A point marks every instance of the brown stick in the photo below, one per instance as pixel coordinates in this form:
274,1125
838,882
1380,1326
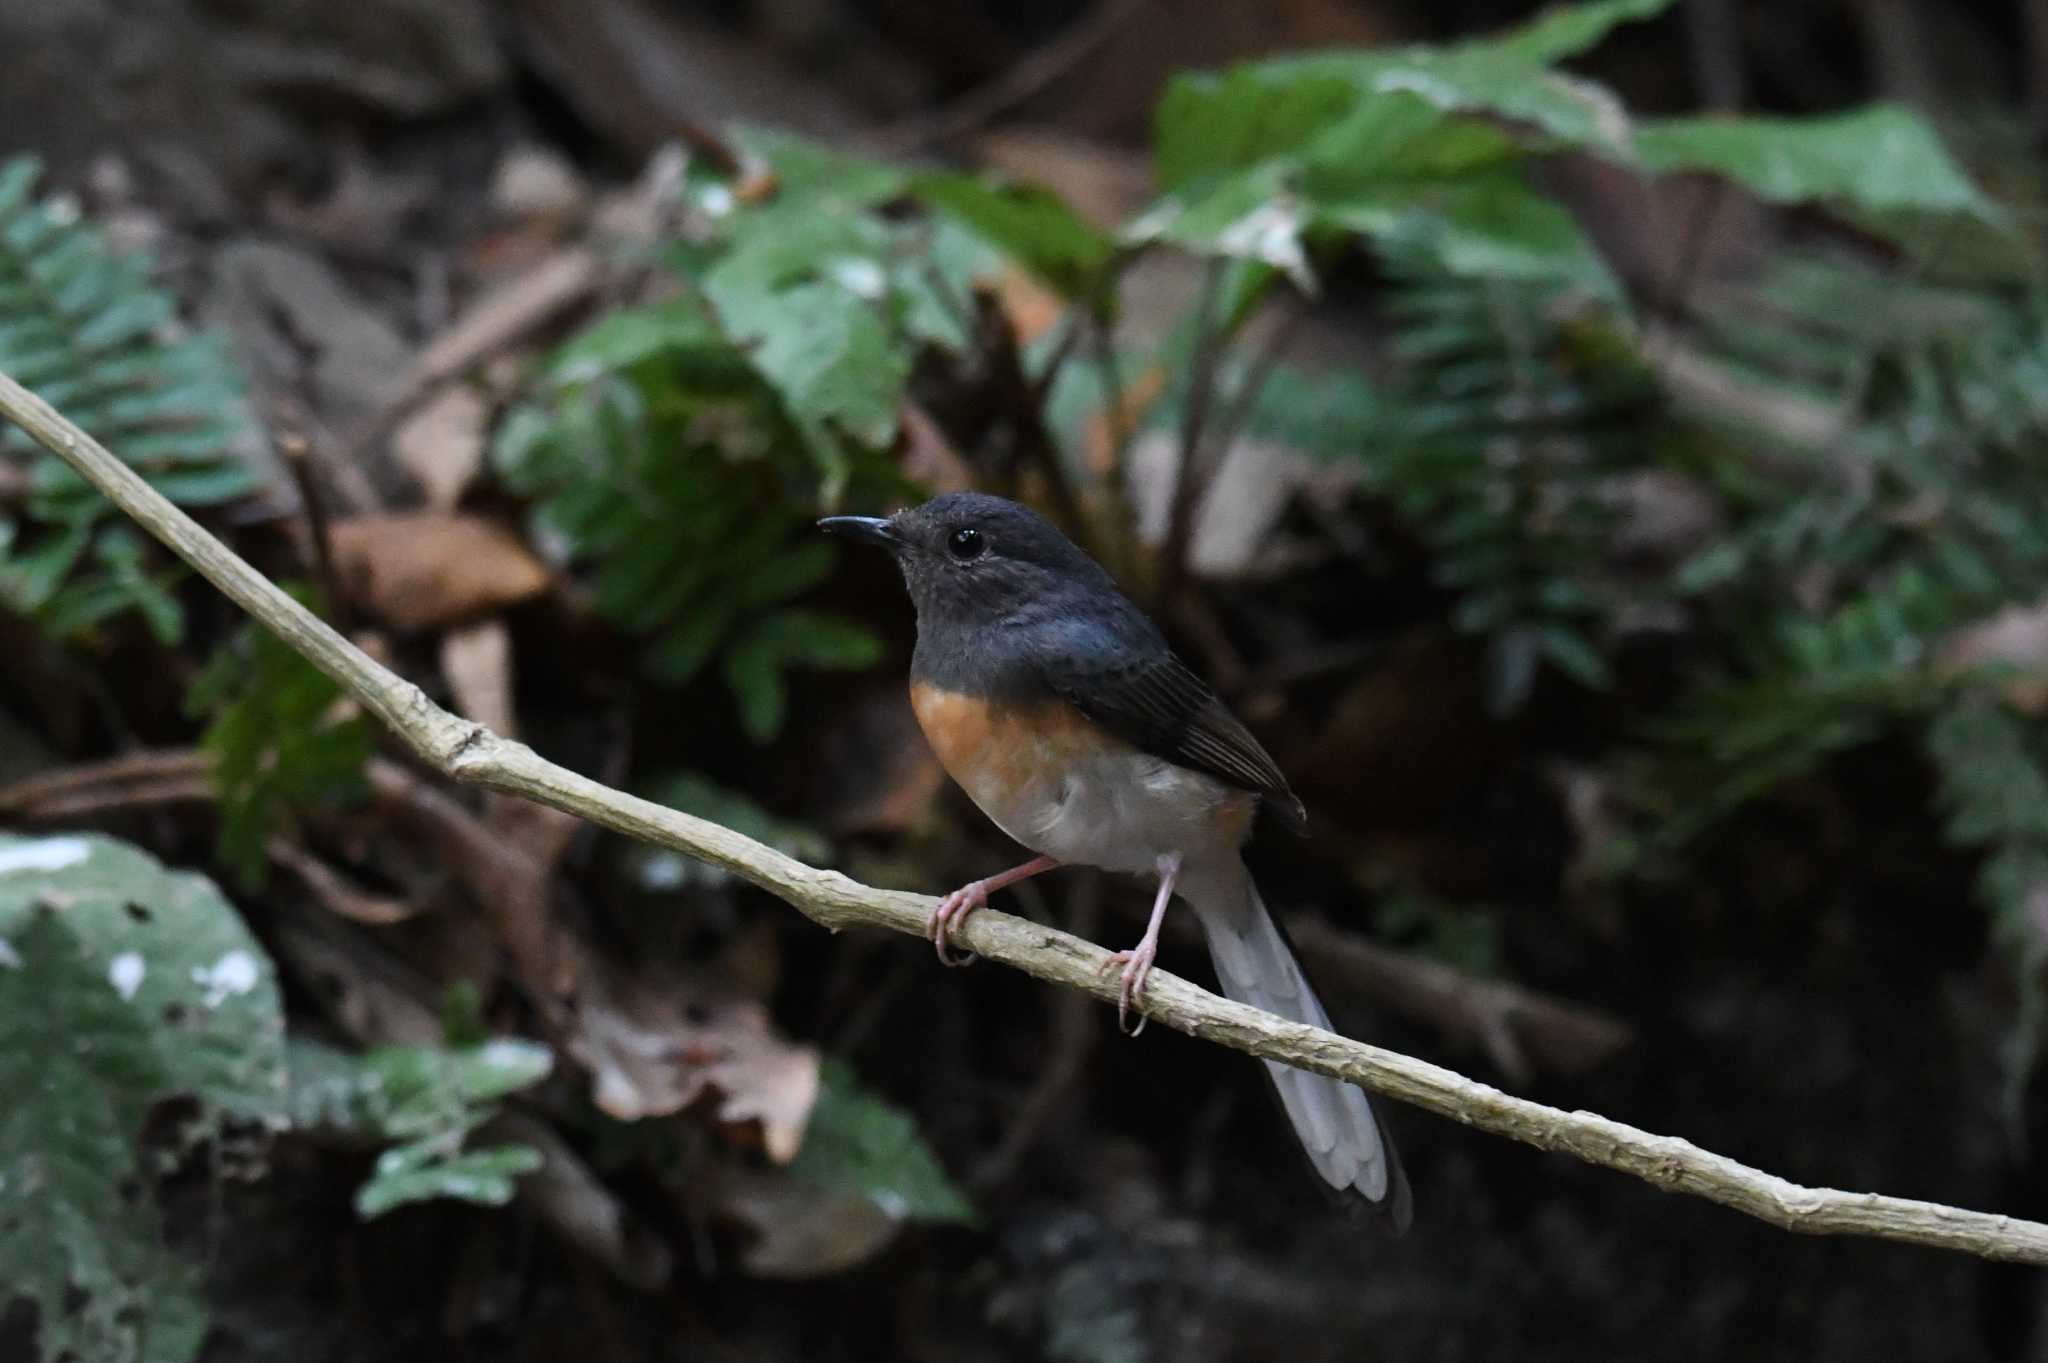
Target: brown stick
469,752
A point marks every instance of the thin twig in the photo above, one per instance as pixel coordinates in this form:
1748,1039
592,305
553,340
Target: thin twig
1038,69
295,449
468,752
1246,400
1209,337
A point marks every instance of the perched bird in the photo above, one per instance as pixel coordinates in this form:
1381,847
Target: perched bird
1059,707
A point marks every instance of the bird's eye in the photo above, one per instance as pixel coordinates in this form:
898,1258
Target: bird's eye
966,545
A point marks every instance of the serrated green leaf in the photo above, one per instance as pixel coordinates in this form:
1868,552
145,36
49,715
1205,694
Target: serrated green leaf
826,351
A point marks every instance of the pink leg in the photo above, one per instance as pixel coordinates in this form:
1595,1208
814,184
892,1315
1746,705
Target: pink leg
1137,962
965,900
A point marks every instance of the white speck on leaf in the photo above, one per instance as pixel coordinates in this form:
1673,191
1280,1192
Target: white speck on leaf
9,957
44,854
234,973
125,973
860,277
716,200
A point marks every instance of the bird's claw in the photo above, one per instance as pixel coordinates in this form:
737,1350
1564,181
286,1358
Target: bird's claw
947,916
1137,964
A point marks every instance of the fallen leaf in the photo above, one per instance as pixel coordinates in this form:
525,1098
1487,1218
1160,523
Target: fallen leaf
477,661
801,1231
441,444
428,570
653,1049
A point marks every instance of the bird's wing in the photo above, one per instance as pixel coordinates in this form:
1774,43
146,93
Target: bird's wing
1114,667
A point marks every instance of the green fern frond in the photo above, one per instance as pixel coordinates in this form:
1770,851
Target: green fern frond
82,325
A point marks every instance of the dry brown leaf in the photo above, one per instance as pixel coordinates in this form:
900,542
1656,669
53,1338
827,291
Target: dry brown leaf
802,1231
442,444
655,1049
477,661
428,570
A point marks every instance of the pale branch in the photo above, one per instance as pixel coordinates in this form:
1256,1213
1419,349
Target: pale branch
472,754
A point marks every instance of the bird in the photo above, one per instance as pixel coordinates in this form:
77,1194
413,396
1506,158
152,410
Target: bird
1058,706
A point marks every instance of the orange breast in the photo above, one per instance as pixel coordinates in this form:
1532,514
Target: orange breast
1004,750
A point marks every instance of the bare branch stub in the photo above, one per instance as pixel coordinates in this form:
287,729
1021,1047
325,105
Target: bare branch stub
470,753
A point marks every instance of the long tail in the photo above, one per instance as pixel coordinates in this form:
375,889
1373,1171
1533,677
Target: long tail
1335,1121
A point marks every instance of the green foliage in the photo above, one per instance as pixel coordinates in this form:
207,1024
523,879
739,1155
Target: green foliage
81,325
1994,786
426,1101
658,868
279,735
122,985
858,1142
1029,223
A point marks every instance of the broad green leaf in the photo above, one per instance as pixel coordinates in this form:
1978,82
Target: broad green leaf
625,338
859,1142
1882,158
1571,30
828,354
1488,226
1208,124
808,170
122,984
1030,223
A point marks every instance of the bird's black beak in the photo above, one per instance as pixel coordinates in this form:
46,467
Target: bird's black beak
873,529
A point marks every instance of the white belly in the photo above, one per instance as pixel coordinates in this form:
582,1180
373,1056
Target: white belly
1120,810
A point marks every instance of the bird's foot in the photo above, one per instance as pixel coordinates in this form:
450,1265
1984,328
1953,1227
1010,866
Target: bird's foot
948,915
1137,964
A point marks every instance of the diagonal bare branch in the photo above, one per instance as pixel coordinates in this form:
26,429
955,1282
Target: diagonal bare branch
470,753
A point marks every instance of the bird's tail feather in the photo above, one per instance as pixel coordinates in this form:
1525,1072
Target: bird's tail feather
1336,1121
